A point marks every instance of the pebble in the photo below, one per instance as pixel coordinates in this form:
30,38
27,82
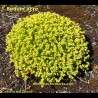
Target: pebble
87,73
90,72
65,88
3,73
87,91
88,81
97,24
10,77
57,92
92,91
92,76
69,92
0,69
94,12
63,92
80,88
94,43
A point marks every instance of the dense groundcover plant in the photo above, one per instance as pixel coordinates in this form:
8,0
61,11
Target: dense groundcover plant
48,46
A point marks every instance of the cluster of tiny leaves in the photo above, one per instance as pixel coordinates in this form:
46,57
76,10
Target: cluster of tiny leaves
48,46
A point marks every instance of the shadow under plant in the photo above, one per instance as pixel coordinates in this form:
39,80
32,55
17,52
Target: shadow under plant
86,16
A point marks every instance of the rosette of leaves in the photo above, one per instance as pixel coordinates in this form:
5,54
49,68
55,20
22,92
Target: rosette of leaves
48,46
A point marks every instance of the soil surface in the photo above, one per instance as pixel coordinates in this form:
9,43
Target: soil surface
85,15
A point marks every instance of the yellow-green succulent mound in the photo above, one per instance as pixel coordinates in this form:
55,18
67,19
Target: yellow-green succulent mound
48,46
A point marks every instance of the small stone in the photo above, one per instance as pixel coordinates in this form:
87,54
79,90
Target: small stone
97,91
0,69
87,73
10,77
90,72
97,23
10,89
64,91
68,91
65,88
87,91
74,80
3,73
88,82
94,43
92,91
80,88
57,92
92,76
94,12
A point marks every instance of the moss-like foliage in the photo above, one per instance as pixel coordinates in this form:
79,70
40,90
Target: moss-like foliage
48,46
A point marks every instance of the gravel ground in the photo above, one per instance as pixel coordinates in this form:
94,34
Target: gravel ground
85,15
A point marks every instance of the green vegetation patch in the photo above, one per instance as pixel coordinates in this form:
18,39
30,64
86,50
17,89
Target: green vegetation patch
48,46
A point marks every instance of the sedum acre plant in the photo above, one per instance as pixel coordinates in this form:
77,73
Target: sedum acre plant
48,46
